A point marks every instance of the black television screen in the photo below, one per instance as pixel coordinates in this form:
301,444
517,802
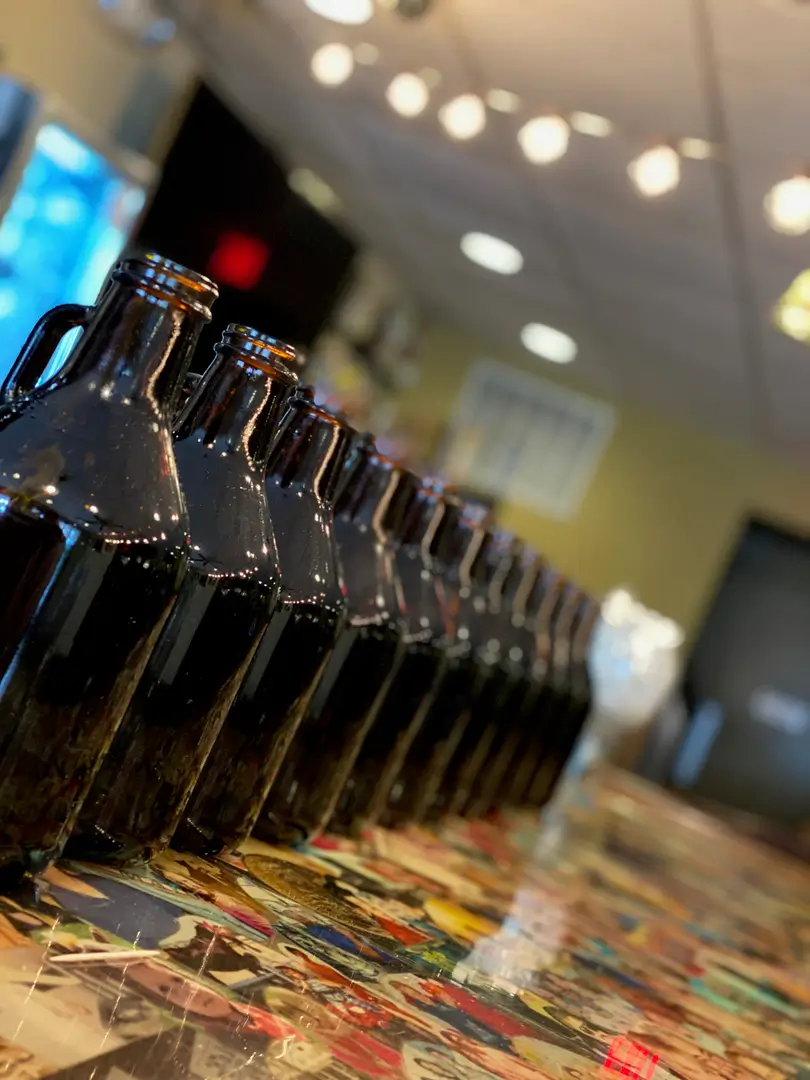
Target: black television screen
224,207
748,683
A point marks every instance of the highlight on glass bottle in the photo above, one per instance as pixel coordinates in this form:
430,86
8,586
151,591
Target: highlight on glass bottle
93,539
222,441
304,467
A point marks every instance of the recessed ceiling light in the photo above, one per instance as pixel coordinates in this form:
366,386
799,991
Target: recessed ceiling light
503,101
698,149
464,117
492,253
551,344
348,12
407,94
656,171
332,64
544,139
314,190
586,123
366,54
787,206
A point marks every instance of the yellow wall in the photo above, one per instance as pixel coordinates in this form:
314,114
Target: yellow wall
65,48
662,513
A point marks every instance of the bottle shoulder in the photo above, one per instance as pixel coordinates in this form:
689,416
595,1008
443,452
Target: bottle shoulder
105,465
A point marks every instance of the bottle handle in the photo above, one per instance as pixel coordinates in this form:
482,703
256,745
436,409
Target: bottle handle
39,348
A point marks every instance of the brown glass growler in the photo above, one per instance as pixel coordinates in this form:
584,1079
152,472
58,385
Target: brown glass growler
303,469
575,628
460,543
540,700
93,540
356,679
516,655
222,441
495,570
412,690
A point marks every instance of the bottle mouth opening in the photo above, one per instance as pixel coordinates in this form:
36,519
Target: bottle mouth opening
171,281
265,352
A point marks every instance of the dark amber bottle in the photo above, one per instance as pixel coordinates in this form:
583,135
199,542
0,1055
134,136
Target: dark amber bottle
495,572
414,686
516,657
534,711
359,673
574,631
222,441
461,541
93,542
303,470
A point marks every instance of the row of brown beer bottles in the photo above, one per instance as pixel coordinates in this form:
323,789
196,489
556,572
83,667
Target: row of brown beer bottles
293,631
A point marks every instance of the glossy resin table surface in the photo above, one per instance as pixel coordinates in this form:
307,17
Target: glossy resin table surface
662,945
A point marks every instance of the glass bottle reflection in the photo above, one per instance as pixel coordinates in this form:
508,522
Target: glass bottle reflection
360,671
416,792
222,441
413,688
93,543
304,467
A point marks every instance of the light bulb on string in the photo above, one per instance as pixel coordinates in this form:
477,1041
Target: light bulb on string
787,206
544,139
408,94
656,172
464,117
347,12
332,64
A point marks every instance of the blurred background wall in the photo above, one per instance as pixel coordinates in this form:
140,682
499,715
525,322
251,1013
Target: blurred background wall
133,97
665,508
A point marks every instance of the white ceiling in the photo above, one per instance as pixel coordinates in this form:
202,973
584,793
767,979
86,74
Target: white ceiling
668,299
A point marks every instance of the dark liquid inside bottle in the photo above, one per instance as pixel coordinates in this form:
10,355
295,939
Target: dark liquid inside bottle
383,751
156,757
257,732
31,544
474,745
415,789
100,611
321,755
500,762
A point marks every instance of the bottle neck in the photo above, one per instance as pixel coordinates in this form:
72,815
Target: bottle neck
310,452
422,519
444,545
236,406
527,593
141,337
584,625
373,498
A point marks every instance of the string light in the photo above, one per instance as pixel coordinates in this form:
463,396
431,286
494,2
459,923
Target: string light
656,171
464,117
347,12
332,64
598,127
544,139
787,206
408,95
503,101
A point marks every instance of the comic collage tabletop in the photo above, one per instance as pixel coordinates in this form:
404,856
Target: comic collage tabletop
661,945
